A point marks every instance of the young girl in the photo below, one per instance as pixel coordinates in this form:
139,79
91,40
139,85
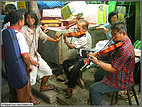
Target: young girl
32,33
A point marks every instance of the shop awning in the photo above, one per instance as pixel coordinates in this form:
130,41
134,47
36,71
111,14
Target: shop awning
49,4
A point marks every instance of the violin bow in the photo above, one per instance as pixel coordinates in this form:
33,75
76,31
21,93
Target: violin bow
72,37
107,43
97,52
103,47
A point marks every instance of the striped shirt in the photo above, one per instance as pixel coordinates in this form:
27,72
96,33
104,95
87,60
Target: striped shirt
123,60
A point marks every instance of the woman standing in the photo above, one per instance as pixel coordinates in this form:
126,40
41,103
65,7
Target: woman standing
32,33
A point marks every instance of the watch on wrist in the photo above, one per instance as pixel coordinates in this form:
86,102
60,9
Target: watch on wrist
98,63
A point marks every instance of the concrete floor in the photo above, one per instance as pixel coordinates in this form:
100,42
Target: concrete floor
5,95
80,96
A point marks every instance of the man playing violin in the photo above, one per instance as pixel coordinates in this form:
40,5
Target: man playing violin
119,70
72,66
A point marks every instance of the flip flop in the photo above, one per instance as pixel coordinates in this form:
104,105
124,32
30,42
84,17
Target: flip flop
68,93
47,88
35,101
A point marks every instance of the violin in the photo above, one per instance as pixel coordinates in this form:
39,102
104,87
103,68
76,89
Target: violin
101,52
73,34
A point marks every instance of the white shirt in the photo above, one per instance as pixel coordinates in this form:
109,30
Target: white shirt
83,42
4,27
22,42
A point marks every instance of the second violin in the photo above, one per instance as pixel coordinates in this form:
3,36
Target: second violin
73,34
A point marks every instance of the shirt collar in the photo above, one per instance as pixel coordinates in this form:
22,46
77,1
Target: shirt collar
14,28
29,29
125,39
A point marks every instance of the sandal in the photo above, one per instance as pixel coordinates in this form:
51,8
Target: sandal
69,93
34,101
47,88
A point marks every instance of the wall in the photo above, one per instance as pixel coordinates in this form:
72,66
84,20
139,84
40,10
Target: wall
137,21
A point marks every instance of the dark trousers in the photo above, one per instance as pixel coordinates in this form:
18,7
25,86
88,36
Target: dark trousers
72,70
96,90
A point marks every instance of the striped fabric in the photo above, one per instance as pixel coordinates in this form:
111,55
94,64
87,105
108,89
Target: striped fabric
124,61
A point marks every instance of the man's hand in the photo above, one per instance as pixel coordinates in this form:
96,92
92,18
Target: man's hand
30,68
57,38
35,63
64,37
105,29
93,59
105,66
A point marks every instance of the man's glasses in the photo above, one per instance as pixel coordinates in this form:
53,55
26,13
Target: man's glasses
78,28
114,34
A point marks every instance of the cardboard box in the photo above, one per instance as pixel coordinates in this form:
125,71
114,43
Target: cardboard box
73,8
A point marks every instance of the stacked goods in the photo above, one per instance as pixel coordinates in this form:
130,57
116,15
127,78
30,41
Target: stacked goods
51,17
51,21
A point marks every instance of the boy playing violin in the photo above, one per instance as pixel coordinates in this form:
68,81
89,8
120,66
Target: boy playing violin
72,66
119,70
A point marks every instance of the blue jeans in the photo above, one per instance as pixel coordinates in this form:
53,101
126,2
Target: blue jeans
96,90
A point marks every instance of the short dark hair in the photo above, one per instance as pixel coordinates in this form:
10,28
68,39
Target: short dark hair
10,7
85,25
119,25
110,15
33,15
14,16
